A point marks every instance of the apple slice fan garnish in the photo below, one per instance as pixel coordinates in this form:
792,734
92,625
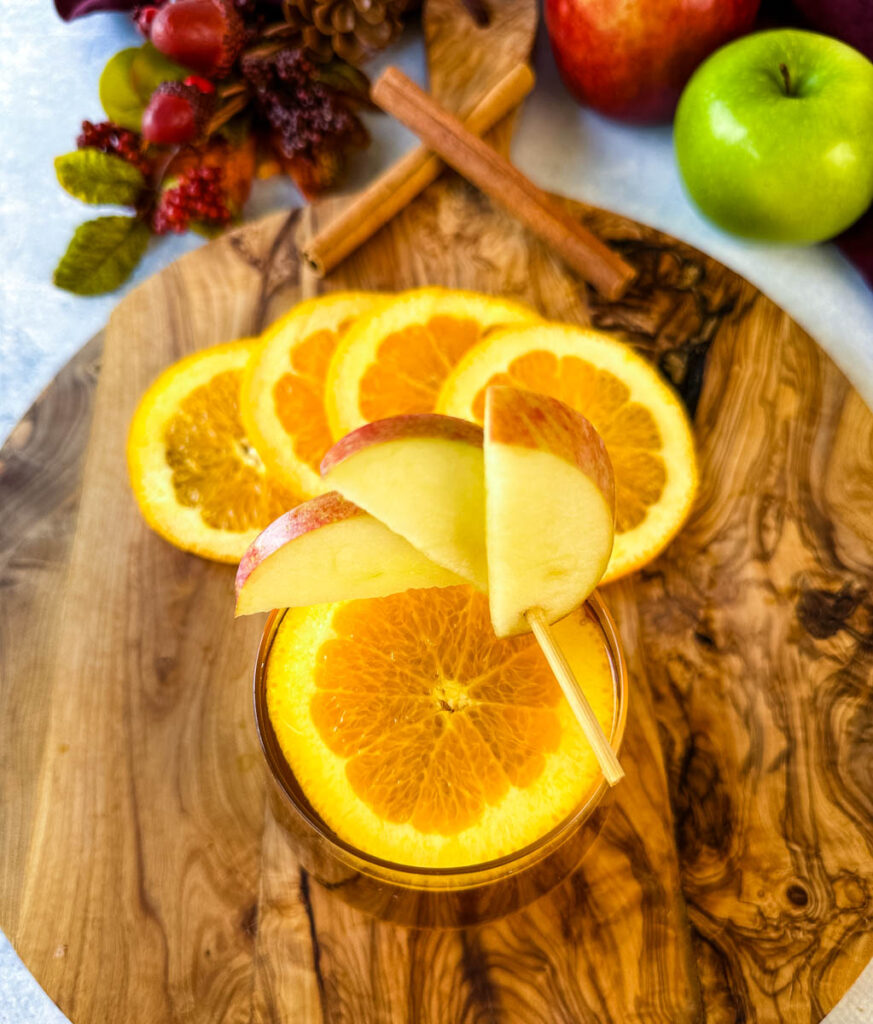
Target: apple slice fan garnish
524,511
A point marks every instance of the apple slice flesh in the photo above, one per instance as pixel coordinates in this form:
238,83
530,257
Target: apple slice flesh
550,507
326,550
422,475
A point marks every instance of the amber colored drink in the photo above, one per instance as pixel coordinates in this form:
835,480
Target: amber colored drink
418,862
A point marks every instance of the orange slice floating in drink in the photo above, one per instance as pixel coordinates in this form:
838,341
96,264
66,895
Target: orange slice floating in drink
395,359
195,474
638,415
283,392
421,737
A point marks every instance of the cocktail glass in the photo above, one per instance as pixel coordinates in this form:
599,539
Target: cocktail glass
436,897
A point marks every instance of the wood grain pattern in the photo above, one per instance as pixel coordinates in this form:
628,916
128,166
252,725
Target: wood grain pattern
143,875
147,771
154,860
40,477
773,823
465,58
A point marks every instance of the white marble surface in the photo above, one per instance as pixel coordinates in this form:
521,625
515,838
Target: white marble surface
49,71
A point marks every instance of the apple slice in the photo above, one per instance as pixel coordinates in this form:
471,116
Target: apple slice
550,507
421,475
328,549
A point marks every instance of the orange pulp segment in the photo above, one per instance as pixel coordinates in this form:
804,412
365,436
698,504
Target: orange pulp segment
422,738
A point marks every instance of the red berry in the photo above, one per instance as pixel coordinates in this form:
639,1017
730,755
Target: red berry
110,138
204,35
176,113
197,196
203,84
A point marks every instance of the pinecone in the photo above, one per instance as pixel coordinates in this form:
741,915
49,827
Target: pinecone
351,29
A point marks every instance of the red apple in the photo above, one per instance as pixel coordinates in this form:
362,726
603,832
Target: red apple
630,59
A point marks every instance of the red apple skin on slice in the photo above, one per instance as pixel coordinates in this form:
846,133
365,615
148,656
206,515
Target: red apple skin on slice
327,550
531,420
550,507
422,475
426,425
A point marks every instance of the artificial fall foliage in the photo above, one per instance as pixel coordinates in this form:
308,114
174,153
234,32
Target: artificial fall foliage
220,93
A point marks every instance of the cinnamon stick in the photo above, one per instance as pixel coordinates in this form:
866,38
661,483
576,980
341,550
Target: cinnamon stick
409,176
506,185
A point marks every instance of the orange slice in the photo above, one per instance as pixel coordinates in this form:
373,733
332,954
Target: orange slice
282,397
395,359
196,477
422,738
635,411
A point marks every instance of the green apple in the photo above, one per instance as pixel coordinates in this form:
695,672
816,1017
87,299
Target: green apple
774,136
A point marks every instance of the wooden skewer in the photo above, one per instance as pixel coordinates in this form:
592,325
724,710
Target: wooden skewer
505,184
401,183
609,763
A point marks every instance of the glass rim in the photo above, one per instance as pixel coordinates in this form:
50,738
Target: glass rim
280,770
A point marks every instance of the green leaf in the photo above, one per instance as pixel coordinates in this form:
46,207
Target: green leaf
149,68
119,98
96,177
102,255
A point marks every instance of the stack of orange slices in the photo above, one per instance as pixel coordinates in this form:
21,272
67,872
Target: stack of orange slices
230,437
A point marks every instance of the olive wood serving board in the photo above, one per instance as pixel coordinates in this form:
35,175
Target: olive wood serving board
142,875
